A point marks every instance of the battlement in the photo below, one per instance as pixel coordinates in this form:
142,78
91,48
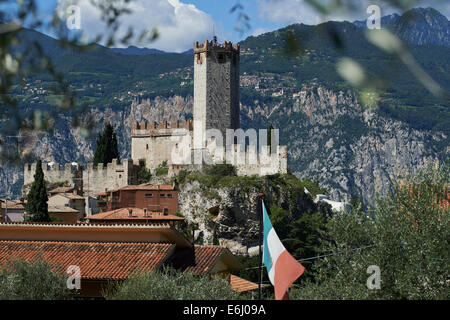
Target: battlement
69,173
54,167
148,129
89,179
220,51
206,46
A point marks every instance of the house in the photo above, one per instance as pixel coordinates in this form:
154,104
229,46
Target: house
133,215
335,205
112,252
155,198
12,210
63,214
69,200
57,190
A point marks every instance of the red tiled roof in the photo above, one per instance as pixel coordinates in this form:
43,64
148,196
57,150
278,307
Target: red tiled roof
146,186
137,214
202,260
97,260
241,285
62,190
11,204
71,196
61,209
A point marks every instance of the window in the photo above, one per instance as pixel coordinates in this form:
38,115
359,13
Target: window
146,146
169,195
162,195
165,211
149,195
221,58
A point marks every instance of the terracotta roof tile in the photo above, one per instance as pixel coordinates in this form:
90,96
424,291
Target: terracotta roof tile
71,196
137,214
61,209
146,186
241,285
14,204
97,260
199,261
62,190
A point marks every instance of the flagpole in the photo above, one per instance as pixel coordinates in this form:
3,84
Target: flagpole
260,215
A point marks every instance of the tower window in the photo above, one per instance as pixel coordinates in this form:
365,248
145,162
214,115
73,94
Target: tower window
146,146
221,58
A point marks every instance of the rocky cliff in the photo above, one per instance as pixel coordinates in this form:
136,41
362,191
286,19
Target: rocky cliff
349,149
331,138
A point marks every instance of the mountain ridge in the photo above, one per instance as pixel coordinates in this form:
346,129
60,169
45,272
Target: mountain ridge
324,122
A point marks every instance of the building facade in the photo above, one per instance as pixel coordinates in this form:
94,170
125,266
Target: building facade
154,198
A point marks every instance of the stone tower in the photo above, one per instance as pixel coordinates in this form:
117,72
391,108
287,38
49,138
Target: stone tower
216,88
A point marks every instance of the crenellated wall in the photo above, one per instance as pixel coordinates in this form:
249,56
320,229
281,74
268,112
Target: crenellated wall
113,175
68,173
88,179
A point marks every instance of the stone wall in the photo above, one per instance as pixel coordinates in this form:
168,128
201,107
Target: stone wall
114,175
157,143
53,173
89,179
216,88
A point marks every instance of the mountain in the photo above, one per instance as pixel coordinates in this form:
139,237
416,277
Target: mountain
132,50
419,26
333,136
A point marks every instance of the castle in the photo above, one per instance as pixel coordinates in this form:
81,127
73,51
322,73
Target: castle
213,136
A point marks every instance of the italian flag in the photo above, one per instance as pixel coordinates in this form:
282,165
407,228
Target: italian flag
282,268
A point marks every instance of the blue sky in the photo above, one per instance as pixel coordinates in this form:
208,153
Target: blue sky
182,22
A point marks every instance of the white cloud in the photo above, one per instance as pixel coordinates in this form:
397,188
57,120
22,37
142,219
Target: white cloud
179,24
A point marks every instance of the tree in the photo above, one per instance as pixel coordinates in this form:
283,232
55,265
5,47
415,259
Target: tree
407,238
169,284
37,206
31,280
144,175
107,148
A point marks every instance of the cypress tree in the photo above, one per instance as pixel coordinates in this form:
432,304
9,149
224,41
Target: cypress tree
37,197
107,147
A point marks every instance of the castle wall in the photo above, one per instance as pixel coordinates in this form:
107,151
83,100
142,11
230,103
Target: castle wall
115,175
250,162
164,142
68,173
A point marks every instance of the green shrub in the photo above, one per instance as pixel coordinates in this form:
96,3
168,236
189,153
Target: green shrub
162,169
34,280
407,238
169,284
221,170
